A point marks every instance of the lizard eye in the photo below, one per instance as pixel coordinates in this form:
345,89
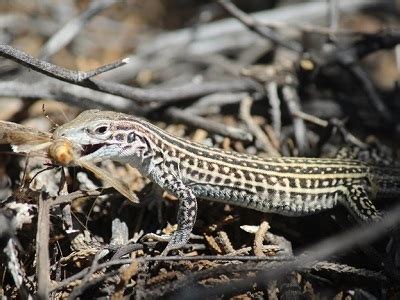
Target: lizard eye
101,129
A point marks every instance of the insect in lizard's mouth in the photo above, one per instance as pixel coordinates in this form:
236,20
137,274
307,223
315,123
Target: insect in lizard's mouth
91,148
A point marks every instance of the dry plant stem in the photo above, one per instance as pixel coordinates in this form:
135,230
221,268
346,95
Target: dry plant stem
259,238
216,61
293,104
243,269
42,248
347,136
213,244
349,58
125,275
333,15
51,70
15,268
79,290
370,91
75,195
225,35
318,252
311,119
258,27
313,28
66,208
208,125
341,268
275,102
67,93
80,78
87,280
224,241
119,262
87,277
245,115
7,231
68,32
211,104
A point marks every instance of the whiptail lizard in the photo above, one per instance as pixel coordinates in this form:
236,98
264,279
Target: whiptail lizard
289,186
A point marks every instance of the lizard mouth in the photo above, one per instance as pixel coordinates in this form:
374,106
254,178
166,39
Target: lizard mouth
91,148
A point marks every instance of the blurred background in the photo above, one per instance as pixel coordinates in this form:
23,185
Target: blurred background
268,78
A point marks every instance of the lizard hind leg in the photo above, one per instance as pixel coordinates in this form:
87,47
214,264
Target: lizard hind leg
360,205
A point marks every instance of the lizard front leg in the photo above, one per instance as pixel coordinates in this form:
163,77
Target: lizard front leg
186,216
187,212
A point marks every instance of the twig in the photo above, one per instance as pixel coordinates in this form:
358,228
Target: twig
274,101
348,137
258,27
42,248
119,262
224,241
8,246
166,95
211,104
209,125
314,28
51,70
370,91
259,238
348,58
67,93
90,282
293,104
222,35
216,61
105,68
15,268
320,251
188,91
75,195
333,16
125,275
254,128
310,118
66,34
346,269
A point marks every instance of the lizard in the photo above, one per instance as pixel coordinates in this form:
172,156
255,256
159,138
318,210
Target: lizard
293,186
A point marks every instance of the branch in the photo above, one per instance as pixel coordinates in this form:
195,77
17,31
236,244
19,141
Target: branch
42,247
41,66
66,33
223,35
258,27
67,93
320,251
188,91
209,125
261,137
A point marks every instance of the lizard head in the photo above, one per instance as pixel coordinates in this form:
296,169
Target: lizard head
104,135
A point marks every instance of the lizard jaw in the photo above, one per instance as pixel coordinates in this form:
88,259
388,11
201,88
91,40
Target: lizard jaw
91,148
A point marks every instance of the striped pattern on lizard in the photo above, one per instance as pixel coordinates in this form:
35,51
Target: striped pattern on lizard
289,185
